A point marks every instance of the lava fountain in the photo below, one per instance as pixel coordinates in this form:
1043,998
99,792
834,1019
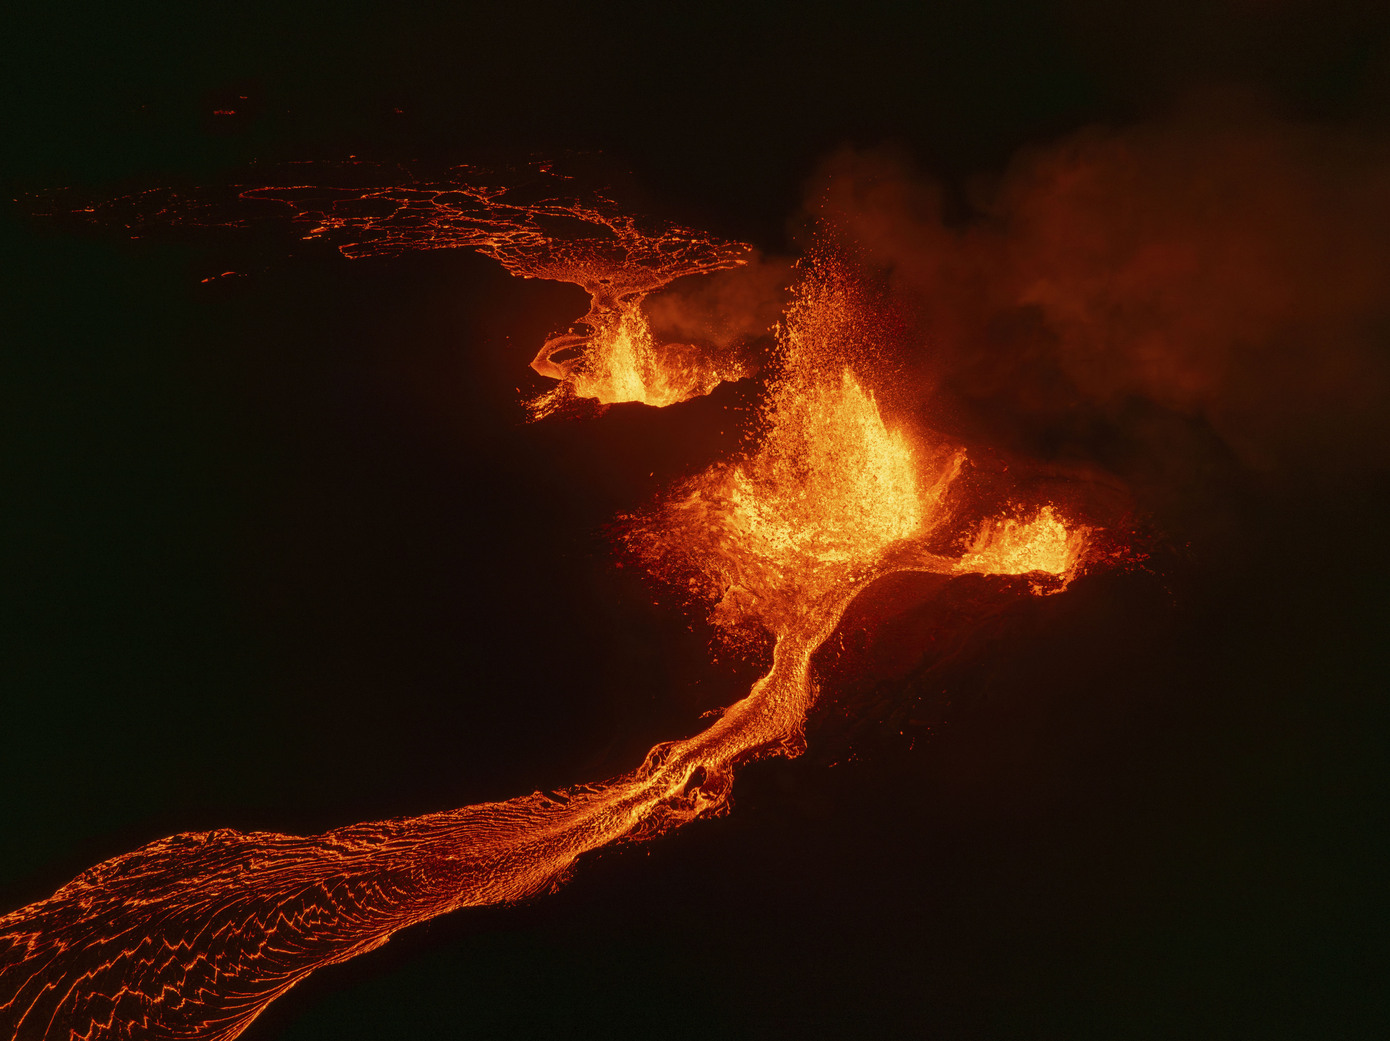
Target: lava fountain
194,935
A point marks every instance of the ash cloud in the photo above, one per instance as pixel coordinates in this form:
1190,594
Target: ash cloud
1217,281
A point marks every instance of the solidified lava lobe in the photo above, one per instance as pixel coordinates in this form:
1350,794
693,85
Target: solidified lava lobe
195,934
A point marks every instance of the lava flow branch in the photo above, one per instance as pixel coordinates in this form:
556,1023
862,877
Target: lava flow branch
194,935
533,220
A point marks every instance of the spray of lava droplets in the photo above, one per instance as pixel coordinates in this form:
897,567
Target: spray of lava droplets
194,935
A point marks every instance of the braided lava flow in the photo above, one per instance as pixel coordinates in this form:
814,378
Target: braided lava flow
194,935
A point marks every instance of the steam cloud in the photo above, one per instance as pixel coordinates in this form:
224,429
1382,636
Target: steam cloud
726,308
1222,266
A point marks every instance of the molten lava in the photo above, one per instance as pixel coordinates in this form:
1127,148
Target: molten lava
617,359
828,488
1043,544
532,220
195,934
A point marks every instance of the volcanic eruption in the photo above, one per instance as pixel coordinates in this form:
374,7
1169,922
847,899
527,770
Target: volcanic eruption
195,934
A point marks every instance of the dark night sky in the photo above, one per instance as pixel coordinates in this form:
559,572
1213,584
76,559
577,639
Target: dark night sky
277,552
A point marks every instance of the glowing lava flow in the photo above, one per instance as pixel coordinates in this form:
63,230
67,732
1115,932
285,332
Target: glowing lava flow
532,220
194,935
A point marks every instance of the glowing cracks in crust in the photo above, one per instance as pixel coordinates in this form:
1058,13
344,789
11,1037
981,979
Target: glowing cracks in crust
601,249
533,220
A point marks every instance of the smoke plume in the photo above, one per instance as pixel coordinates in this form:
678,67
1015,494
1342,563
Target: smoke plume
1221,270
724,308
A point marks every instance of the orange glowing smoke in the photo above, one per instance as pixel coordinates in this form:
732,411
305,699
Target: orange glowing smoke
195,934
